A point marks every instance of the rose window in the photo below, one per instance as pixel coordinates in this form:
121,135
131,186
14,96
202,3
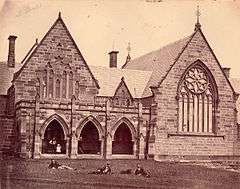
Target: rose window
196,80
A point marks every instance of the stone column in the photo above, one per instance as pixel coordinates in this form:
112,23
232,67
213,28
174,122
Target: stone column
140,138
37,140
108,137
72,138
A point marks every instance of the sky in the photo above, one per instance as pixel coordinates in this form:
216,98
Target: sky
100,26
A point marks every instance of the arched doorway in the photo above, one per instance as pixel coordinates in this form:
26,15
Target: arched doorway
89,142
122,143
53,142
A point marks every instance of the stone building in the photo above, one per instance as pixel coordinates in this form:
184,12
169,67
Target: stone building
173,103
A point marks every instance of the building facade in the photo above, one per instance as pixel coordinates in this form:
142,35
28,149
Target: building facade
173,103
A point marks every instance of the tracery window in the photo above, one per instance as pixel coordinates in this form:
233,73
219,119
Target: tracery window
51,84
64,84
70,85
197,97
57,88
44,84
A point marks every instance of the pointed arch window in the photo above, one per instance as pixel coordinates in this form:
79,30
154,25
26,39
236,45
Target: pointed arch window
70,85
51,84
57,88
64,85
197,100
44,84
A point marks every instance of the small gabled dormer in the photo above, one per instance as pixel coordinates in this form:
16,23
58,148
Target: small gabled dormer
122,96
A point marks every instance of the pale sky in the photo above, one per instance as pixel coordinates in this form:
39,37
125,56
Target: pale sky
146,24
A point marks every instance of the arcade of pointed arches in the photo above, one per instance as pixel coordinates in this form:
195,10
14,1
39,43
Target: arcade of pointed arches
89,133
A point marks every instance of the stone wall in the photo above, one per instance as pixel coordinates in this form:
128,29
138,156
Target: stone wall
73,118
58,52
169,142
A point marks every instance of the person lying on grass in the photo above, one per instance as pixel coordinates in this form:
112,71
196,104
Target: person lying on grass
55,165
104,170
141,172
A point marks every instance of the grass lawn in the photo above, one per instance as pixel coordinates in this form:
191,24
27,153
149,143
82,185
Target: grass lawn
21,174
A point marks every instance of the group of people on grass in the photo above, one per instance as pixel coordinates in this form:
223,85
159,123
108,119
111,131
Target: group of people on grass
104,170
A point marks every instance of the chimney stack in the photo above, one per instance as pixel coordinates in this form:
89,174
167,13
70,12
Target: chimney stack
11,51
113,59
227,71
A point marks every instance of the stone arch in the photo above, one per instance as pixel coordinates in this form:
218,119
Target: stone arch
60,120
89,135
197,97
123,137
128,123
94,121
208,73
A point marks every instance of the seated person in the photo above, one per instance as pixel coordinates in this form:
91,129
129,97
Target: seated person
55,165
106,169
140,171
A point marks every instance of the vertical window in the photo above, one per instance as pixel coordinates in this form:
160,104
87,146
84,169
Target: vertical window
57,88
77,89
70,85
51,84
64,85
44,84
196,101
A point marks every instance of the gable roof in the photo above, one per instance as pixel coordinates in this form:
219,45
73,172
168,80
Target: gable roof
159,61
59,19
162,60
6,76
109,79
123,83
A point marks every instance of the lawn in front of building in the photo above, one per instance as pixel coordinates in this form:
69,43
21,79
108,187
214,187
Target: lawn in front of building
23,174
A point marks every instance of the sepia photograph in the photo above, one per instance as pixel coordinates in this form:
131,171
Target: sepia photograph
119,94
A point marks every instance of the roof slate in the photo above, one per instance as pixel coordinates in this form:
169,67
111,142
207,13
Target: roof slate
109,79
159,61
6,76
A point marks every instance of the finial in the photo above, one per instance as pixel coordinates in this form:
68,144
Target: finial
128,59
198,14
59,14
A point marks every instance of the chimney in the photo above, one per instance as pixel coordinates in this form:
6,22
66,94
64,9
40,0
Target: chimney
11,51
227,71
113,59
